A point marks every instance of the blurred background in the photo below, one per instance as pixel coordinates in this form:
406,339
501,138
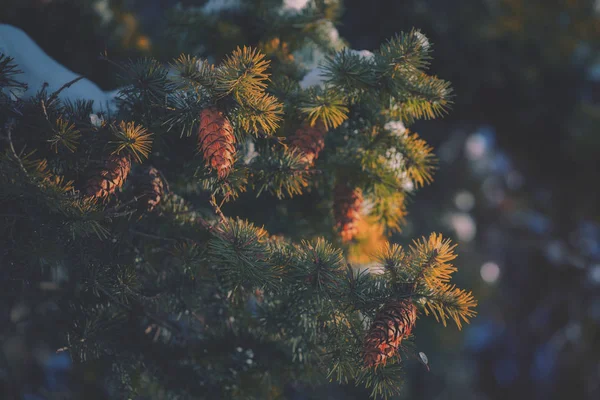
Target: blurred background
518,179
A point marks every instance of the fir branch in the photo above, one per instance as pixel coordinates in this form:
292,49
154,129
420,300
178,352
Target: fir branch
384,381
145,83
286,89
84,217
327,106
66,135
183,111
407,51
162,322
240,252
430,258
78,111
242,74
230,187
194,72
8,70
419,159
132,139
322,263
420,96
349,73
279,171
260,114
450,303
303,299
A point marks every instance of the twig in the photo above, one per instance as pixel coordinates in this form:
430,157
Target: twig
121,214
213,202
54,96
205,224
119,206
9,127
151,236
153,317
67,85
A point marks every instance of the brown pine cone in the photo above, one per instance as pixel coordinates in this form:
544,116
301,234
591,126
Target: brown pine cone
150,188
216,141
106,179
310,140
392,324
346,210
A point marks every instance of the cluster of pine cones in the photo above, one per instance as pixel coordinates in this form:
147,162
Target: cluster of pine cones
216,141
348,201
396,319
111,174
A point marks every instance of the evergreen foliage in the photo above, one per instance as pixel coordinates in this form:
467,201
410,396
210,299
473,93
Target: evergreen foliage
177,288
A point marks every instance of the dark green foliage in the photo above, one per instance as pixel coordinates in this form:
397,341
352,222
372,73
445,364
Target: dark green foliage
8,71
164,299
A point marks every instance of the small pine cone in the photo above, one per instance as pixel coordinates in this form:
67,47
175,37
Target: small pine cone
310,140
216,141
346,209
112,175
150,188
393,323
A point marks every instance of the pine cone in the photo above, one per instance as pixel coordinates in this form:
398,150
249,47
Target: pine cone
150,188
347,205
309,140
393,323
105,180
216,141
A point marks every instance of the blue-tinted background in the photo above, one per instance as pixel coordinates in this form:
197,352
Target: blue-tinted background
517,186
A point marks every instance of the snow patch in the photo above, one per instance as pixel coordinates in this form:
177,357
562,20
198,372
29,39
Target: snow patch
294,5
313,78
39,68
366,54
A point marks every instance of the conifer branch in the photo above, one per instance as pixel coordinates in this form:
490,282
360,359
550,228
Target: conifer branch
185,262
199,73
8,127
132,139
8,70
243,74
67,85
326,106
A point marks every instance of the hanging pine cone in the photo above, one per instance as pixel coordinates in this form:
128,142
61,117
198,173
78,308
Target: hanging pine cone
393,323
149,188
346,209
110,176
216,141
310,140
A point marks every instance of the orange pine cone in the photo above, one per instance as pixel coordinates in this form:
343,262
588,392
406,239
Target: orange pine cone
216,141
346,209
310,140
150,188
109,177
392,324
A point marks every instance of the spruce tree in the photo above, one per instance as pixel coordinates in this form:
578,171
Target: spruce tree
195,243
